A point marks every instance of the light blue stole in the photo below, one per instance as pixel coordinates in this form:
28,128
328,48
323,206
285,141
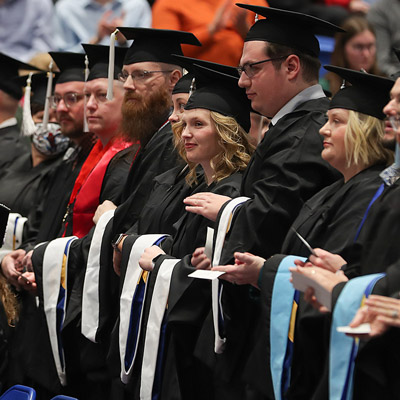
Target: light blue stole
282,318
343,349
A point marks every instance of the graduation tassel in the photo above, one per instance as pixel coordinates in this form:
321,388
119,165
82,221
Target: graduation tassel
111,61
85,123
28,126
192,86
48,95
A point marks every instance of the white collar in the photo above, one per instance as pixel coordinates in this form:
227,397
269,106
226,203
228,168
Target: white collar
311,93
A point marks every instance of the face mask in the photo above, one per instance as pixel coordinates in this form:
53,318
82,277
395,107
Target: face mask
50,141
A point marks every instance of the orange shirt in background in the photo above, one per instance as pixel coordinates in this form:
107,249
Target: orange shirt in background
196,16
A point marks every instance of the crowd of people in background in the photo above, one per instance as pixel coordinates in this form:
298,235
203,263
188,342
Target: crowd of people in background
195,211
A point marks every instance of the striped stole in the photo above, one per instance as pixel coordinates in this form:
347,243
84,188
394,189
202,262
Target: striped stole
90,295
55,264
153,345
131,304
224,225
14,231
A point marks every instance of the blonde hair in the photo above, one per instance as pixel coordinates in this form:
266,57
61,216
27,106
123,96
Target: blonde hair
235,151
364,140
9,301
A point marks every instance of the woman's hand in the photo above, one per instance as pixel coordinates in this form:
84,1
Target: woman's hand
146,260
27,282
245,271
12,266
326,260
200,260
327,279
206,204
380,312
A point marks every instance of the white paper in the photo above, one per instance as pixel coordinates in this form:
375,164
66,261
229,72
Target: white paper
209,242
362,329
302,282
206,274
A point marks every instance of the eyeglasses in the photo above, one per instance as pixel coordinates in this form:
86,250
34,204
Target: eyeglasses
70,99
395,122
137,75
249,69
100,97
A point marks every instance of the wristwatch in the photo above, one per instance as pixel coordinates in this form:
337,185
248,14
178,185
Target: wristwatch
117,240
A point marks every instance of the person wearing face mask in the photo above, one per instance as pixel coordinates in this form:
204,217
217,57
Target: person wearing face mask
26,180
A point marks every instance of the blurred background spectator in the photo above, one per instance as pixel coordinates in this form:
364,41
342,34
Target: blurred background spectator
335,11
92,21
354,49
218,24
26,28
385,16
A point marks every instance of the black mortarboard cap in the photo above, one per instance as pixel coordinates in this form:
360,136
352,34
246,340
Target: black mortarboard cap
155,45
9,68
220,92
368,93
71,66
184,84
38,85
289,28
98,56
188,62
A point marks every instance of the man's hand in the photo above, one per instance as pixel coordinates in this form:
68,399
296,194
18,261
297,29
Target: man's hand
206,204
12,267
107,205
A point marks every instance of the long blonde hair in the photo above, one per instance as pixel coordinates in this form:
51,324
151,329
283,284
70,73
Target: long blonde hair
235,151
9,301
364,140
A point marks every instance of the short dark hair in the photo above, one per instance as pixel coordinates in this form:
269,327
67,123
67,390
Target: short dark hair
310,64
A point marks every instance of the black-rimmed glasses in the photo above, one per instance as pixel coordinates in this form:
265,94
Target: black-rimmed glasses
249,69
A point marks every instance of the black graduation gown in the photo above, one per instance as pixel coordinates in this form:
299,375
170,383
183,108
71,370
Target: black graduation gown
156,157
285,171
188,302
375,374
116,172
23,186
375,250
11,145
330,220
85,361
45,222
